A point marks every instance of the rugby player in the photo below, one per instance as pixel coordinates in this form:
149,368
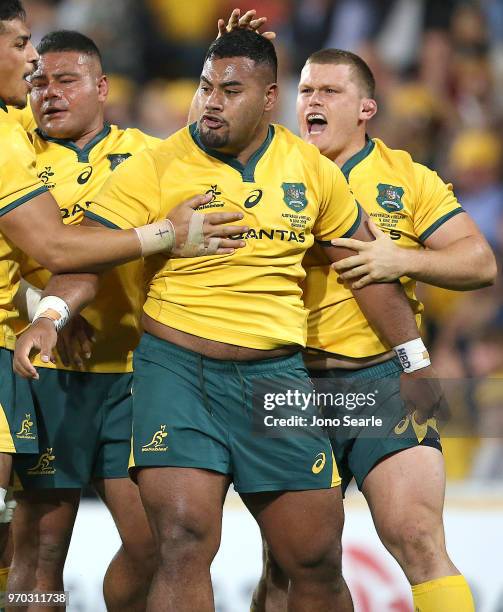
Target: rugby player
422,233
214,327
30,221
84,417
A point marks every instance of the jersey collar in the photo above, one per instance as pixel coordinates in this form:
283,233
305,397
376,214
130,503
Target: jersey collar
358,157
3,106
247,170
82,153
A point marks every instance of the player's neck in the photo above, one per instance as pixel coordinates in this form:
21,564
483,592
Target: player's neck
89,134
244,154
352,148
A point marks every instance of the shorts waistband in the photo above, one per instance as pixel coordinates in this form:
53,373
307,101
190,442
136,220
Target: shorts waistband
386,368
148,342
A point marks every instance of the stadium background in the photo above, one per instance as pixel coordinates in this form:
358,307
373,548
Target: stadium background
439,69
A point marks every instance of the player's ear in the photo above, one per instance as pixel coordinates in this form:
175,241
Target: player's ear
368,108
103,88
271,96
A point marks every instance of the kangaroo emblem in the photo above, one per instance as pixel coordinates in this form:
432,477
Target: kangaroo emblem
157,439
26,426
44,463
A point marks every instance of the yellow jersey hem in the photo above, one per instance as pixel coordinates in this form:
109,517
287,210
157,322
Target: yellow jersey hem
218,334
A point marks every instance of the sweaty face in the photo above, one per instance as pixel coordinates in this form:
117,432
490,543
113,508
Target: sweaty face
17,61
68,93
329,104
230,102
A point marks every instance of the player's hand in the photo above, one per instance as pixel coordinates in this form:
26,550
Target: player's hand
199,234
248,21
379,261
423,395
40,337
75,342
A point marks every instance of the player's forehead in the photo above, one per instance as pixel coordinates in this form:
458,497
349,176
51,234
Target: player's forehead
218,71
325,75
54,63
14,28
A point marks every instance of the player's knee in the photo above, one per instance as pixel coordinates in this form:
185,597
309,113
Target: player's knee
52,551
186,540
416,542
318,563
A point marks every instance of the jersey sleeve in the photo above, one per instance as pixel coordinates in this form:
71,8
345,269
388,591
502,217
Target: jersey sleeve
435,205
19,182
339,214
130,196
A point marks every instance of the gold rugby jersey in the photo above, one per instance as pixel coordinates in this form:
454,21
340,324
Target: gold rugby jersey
19,183
289,194
24,117
403,198
74,176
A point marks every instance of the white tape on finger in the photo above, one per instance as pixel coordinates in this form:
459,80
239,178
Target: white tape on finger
195,245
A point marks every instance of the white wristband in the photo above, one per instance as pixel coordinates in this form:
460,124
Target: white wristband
156,237
55,309
413,355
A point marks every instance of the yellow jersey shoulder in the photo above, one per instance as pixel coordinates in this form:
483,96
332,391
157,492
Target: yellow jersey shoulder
404,198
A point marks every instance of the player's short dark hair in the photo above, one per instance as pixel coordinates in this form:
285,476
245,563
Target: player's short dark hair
68,40
245,43
339,56
11,9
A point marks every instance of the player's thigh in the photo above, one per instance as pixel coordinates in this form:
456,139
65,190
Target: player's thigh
184,507
301,528
406,491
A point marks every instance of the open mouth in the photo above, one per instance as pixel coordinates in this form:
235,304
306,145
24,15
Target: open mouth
27,80
316,123
211,121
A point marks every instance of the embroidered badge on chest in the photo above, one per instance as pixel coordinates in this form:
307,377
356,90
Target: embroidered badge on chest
389,197
294,196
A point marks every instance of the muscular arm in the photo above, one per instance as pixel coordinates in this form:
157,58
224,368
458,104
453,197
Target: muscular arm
457,257
385,306
37,229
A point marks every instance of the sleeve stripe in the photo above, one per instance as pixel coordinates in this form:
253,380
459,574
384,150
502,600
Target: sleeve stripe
101,220
349,233
23,200
427,233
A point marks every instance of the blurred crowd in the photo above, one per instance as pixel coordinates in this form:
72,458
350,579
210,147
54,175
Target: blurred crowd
439,70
